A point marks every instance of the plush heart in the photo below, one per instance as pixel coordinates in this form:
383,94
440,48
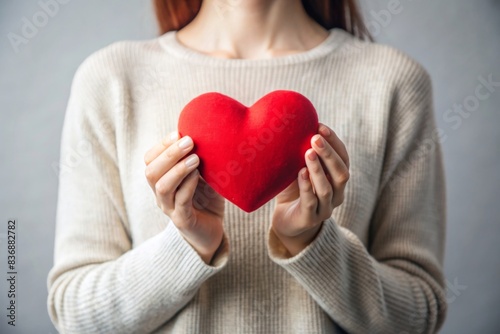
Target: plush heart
249,155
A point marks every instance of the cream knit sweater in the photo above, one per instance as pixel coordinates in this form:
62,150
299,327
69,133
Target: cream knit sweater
121,266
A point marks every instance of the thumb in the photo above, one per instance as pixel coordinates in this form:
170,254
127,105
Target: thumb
291,192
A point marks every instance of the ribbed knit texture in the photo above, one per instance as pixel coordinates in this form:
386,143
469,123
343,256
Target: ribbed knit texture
121,266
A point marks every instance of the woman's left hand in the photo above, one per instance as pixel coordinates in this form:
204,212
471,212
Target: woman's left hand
303,206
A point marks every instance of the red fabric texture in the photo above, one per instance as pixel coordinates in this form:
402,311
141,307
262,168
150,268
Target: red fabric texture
250,154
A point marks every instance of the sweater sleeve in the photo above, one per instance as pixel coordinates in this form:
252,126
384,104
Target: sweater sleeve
396,283
99,283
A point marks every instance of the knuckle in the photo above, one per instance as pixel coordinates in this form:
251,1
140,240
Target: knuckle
166,142
184,209
170,152
164,208
161,189
327,153
149,173
325,193
182,203
178,172
146,158
315,168
310,205
344,176
338,200
307,187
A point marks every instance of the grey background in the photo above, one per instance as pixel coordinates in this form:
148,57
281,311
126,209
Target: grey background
456,40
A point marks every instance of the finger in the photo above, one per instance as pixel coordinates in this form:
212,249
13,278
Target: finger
333,163
156,150
167,185
167,159
308,200
206,198
184,197
204,194
322,187
290,193
206,189
335,142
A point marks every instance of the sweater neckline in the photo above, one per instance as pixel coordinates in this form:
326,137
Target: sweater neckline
173,46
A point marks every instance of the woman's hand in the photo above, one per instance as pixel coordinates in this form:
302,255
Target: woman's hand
303,206
182,194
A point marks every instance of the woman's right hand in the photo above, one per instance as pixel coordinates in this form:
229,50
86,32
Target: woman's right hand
193,206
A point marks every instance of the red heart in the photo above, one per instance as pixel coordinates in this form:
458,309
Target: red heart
249,155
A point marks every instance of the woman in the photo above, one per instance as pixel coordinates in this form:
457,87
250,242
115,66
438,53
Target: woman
354,245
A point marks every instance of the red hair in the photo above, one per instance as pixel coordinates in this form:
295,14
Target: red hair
344,14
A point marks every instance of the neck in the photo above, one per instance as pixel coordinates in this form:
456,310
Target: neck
251,29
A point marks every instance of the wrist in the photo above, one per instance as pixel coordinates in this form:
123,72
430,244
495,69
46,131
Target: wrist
207,251
295,244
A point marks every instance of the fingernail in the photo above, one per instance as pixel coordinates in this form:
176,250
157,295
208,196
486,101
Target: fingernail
185,142
324,131
319,142
304,174
191,160
312,155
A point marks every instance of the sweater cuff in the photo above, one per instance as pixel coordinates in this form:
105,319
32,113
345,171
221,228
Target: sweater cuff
184,249
168,260
324,245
